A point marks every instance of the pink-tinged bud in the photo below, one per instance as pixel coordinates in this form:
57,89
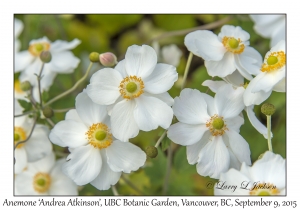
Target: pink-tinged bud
108,59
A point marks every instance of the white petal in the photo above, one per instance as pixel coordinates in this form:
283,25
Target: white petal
256,123
185,134
213,85
234,162
165,97
120,67
266,24
140,60
60,45
234,31
83,164
235,123
244,63
88,111
73,115
214,158
22,60
171,54
239,146
43,165
280,86
236,79
269,80
29,73
20,160
72,133
190,107
161,79
205,44
150,112
63,62
38,146
104,86
229,101
106,177
123,123
18,26
24,184
193,151
221,68
125,156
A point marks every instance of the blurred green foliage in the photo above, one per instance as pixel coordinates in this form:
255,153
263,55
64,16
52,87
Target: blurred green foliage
115,33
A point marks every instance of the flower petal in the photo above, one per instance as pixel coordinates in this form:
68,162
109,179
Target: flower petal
190,107
83,164
213,85
234,31
20,160
24,184
165,97
125,156
104,86
140,60
73,115
150,112
193,151
22,60
236,79
280,86
205,44
185,134
235,123
221,68
214,158
43,165
123,123
60,45
106,177
120,67
269,80
161,79
63,62
88,111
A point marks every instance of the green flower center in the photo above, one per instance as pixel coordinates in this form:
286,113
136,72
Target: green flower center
131,87
218,123
41,182
100,135
272,60
233,43
17,137
264,193
39,47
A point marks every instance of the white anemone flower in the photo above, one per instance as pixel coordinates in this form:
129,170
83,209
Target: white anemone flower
18,29
96,156
225,53
209,127
270,26
136,91
267,176
38,145
271,76
169,54
63,61
44,177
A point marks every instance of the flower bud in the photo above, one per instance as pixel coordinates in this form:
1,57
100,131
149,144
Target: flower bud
108,59
25,86
268,109
151,151
48,112
45,56
94,57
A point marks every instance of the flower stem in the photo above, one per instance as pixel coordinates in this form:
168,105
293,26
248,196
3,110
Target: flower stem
269,133
114,190
161,138
168,170
186,71
39,83
71,89
21,142
25,113
132,185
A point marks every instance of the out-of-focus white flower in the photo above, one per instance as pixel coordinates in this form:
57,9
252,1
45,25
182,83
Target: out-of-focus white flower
225,53
96,156
136,90
37,147
265,177
29,62
270,26
19,93
18,29
169,54
44,177
271,76
209,127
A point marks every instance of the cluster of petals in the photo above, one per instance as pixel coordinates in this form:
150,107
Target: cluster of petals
209,127
225,53
135,92
266,176
96,157
44,177
272,76
169,54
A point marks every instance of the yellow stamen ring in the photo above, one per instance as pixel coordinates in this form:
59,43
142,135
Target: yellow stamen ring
216,125
264,189
233,45
99,136
36,48
41,182
131,87
275,61
19,135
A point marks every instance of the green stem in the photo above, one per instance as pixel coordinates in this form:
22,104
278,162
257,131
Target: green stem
161,138
62,110
168,170
25,113
114,190
39,84
269,133
186,71
71,89
131,185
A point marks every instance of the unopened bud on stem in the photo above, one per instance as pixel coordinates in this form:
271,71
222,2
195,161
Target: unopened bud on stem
94,57
268,109
151,151
25,86
45,56
48,112
108,59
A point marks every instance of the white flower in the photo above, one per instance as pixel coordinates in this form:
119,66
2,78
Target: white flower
271,76
29,62
18,29
270,26
38,145
96,156
136,91
225,53
169,54
44,177
265,177
19,93
210,130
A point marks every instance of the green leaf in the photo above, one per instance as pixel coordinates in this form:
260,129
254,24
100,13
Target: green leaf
25,104
166,142
45,96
